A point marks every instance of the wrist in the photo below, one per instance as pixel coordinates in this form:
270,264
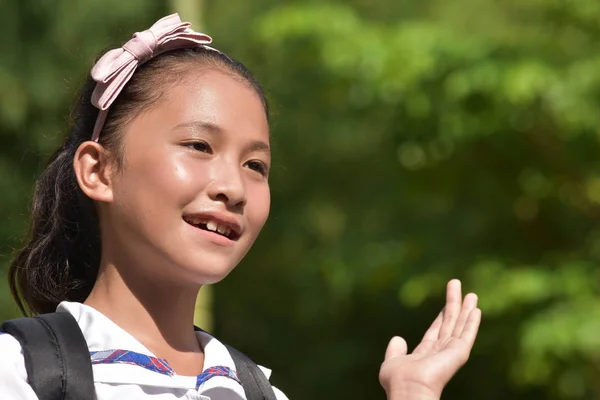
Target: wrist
412,392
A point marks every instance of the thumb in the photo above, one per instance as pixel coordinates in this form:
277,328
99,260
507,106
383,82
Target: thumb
396,348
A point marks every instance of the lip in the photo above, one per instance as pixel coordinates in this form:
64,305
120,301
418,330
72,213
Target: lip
214,237
229,221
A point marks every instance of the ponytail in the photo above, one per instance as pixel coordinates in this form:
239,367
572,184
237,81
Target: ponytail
60,258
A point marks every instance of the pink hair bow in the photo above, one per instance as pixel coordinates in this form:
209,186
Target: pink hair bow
115,68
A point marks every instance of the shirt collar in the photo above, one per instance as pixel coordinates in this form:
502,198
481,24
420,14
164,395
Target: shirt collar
101,334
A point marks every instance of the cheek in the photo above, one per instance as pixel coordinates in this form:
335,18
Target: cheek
175,176
259,197
158,182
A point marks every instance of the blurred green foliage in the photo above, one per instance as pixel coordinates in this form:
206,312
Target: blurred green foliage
414,142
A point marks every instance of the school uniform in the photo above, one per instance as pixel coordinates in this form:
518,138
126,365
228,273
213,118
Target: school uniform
124,369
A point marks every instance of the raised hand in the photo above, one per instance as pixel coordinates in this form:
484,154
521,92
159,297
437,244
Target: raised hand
423,374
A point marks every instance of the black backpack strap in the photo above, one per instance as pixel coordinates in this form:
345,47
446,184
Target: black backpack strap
57,358
255,383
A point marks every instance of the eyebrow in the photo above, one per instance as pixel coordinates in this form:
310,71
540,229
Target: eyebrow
255,145
200,125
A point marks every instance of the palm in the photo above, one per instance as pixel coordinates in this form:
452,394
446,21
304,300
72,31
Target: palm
443,350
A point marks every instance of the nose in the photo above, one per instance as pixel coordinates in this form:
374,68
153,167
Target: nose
227,185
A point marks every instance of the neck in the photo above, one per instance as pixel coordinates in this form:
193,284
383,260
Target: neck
158,313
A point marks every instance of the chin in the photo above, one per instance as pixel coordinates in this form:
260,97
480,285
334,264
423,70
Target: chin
208,269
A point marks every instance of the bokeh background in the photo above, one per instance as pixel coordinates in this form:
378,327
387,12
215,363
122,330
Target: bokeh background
414,142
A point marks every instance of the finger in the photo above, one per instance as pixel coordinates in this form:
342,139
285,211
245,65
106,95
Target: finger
396,348
469,333
430,336
434,330
469,304
452,308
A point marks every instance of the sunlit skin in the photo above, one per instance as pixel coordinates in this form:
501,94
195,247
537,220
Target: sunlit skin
202,153
423,374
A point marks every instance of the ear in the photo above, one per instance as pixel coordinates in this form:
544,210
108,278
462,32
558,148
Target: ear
94,171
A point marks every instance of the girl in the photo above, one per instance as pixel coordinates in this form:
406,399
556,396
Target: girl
161,187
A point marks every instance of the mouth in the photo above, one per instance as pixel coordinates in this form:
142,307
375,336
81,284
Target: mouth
210,224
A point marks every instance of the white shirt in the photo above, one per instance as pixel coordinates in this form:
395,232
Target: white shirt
125,381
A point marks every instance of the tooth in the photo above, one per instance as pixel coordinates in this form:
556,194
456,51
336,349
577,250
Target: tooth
196,221
211,226
227,231
221,229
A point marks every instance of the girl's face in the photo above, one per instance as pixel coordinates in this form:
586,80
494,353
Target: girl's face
193,193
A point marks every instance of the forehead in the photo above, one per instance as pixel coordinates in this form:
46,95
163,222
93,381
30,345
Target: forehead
210,96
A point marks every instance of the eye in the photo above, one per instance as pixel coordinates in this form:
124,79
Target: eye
258,166
199,146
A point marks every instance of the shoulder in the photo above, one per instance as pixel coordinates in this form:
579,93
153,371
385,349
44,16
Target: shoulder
13,376
278,393
12,355
217,353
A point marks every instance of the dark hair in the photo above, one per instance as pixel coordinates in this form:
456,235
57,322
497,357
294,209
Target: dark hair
61,254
